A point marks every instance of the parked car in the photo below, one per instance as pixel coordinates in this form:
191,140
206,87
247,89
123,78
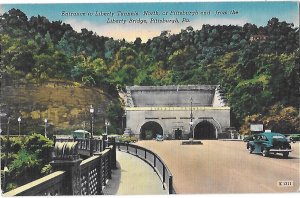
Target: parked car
248,138
127,139
269,142
159,137
294,137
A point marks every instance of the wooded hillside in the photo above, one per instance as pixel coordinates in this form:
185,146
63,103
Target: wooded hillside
256,75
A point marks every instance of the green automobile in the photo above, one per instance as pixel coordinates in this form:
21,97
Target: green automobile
269,142
294,137
127,139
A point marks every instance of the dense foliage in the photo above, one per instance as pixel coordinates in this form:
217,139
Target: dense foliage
254,75
27,157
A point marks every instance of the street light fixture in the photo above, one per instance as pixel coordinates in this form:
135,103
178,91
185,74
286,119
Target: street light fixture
5,170
124,121
92,110
6,155
19,120
191,122
46,121
107,123
104,136
1,115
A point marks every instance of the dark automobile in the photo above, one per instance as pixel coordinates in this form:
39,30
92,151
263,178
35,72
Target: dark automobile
269,142
294,137
159,137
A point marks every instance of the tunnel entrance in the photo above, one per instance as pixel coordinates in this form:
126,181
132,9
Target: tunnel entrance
205,130
149,130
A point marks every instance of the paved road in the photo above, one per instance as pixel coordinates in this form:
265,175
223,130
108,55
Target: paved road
226,167
133,176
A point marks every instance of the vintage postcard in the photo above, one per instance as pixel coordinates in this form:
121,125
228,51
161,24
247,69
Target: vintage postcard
149,98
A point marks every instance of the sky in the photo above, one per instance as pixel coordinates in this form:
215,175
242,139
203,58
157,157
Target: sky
193,14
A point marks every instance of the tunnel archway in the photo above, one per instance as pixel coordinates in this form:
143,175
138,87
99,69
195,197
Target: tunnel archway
205,130
149,130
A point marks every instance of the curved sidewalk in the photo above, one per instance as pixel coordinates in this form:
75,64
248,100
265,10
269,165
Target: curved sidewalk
133,177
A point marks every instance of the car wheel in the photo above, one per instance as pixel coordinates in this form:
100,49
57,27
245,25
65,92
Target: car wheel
285,154
250,149
265,152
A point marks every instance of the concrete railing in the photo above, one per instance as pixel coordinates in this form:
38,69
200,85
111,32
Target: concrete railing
95,172
153,160
73,177
84,145
49,185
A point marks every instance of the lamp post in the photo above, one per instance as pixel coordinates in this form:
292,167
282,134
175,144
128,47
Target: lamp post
104,136
46,121
106,125
124,121
92,110
6,155
19,120
191,122
1,115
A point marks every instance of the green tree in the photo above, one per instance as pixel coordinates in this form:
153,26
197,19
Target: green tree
114,113
25,166
279,119
27,156
41,146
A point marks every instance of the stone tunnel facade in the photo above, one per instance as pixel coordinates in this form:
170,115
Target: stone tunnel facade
177,112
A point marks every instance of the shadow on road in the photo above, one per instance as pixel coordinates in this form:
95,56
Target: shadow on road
277,156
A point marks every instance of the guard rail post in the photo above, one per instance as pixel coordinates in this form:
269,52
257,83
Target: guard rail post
100,172
69,161
112,142
171,184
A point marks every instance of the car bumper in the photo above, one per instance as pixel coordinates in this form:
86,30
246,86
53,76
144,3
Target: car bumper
280,150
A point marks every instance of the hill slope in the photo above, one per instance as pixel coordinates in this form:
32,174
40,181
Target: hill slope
65,104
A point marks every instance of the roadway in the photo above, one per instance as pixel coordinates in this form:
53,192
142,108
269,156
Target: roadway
226,167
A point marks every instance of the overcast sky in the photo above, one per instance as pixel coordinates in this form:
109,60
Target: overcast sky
213,13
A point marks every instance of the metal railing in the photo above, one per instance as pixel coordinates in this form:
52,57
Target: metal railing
153,160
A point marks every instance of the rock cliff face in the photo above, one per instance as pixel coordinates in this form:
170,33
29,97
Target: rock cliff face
65,105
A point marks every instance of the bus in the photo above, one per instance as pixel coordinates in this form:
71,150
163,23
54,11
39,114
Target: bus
81,134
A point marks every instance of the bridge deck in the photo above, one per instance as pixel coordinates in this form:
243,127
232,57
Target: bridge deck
133,177
226,167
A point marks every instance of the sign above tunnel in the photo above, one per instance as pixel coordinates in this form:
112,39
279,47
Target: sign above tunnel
174,108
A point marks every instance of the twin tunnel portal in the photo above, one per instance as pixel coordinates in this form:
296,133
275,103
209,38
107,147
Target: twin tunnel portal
177,111
203,130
